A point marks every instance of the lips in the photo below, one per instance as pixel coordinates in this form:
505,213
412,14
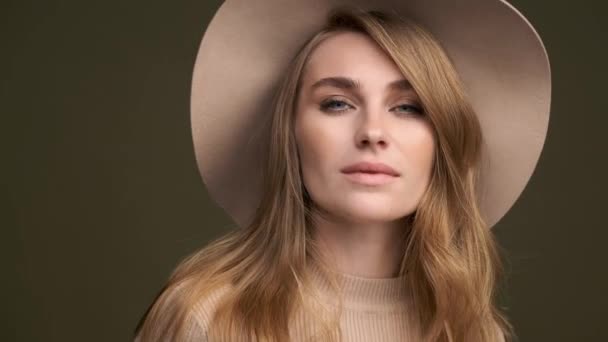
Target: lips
372,168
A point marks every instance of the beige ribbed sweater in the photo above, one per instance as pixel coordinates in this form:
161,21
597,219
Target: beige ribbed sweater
373,310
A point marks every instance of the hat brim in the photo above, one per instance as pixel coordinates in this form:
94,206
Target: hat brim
248,45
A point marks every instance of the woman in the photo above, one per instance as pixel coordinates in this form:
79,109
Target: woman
369,225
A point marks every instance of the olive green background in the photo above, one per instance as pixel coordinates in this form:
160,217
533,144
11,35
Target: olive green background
101,196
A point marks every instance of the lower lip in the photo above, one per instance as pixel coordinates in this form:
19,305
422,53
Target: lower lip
370,178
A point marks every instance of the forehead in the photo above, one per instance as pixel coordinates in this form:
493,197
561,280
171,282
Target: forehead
351,54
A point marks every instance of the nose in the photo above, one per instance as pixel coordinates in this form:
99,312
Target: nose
371,133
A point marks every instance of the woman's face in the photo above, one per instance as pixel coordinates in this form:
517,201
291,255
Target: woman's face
355,106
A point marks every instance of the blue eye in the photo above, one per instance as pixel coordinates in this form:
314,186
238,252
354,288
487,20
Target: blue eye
329,105
410,108
334,105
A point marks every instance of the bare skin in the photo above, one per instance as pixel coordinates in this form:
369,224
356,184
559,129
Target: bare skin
338,125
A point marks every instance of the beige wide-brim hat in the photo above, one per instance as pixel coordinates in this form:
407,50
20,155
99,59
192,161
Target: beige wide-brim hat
249,44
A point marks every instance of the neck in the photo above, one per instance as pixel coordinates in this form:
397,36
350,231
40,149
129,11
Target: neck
367,250
375,294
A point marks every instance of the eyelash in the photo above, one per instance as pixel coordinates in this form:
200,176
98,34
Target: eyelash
329,102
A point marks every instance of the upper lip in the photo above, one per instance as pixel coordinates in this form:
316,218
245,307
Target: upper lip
370,167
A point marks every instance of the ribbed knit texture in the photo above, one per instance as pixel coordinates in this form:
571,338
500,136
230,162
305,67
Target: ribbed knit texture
373,310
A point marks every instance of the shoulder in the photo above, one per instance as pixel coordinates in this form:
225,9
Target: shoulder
500,336
204,309
201,311
198,313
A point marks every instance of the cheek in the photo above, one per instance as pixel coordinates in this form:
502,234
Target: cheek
318,143
309,146
420,149
415,144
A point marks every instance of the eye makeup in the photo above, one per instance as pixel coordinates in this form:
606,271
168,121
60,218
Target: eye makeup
329,106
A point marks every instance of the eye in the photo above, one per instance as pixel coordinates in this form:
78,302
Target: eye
409,108
334,105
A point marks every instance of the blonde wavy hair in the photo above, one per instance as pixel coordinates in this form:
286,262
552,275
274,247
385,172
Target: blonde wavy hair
451,257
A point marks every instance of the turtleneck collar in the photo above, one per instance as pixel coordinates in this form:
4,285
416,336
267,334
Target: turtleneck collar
370,294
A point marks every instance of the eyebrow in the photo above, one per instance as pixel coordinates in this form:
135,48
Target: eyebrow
350,84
